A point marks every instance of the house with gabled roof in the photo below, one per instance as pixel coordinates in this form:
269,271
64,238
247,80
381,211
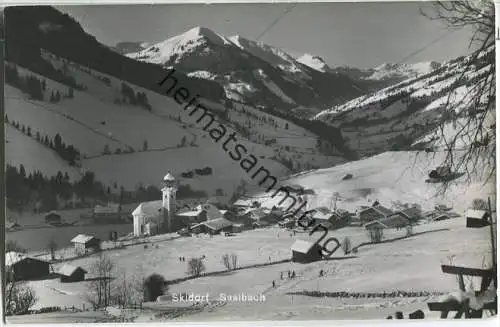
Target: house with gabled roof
305,251
69,273
20,266
374,213
83,243
214,226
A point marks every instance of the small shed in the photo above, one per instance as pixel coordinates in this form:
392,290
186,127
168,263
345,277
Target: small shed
70,274
305,252
83,243
477,218
53,217
22,267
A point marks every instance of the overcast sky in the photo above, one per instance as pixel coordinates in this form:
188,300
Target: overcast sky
357,34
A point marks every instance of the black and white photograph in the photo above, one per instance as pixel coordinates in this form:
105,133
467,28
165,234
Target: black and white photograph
290,161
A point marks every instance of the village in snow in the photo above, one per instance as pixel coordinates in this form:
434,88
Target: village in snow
121,207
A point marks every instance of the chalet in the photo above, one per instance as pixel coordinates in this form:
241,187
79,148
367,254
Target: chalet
394,221
83,243
70,274
256,216
412,214
190,216
242,203
22,267
305,252
327,218
214,226
53,218
374,213
227,214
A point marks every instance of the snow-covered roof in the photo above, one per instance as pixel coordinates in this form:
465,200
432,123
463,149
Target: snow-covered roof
302,246
82,238
256,213
396,220
169,177
190,212
149,209
11,258
216,224
52,213
411,213
379,209
479,214
68,270
242,203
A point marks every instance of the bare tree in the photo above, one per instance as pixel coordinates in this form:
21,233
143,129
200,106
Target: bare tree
470,144
52,246
195,267
479,204
127,290
99,288
18,297
226,261
376,234
234,260
346,245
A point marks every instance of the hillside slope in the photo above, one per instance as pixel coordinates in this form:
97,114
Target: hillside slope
389,178
23,150
396,116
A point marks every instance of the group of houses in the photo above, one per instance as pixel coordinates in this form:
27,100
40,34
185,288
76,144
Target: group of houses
164,216
22,267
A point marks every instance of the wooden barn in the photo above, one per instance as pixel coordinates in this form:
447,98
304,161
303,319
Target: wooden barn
71,274
83,243
305,252
53,218
22,267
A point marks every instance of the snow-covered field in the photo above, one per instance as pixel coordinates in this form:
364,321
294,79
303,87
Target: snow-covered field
411,264
389,178
92,121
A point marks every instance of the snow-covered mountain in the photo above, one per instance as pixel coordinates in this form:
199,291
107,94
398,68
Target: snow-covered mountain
250,71
403,71
403,113
98,100
314,62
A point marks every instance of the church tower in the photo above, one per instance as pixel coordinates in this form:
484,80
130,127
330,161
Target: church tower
169,189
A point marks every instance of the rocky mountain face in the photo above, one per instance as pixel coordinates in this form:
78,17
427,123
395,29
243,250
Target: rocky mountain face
251,71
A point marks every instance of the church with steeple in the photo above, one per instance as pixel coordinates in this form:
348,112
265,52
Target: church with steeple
155,217
163,216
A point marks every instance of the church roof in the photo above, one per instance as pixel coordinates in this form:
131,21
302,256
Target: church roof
149,209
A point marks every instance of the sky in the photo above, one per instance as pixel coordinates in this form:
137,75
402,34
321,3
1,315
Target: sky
363,35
